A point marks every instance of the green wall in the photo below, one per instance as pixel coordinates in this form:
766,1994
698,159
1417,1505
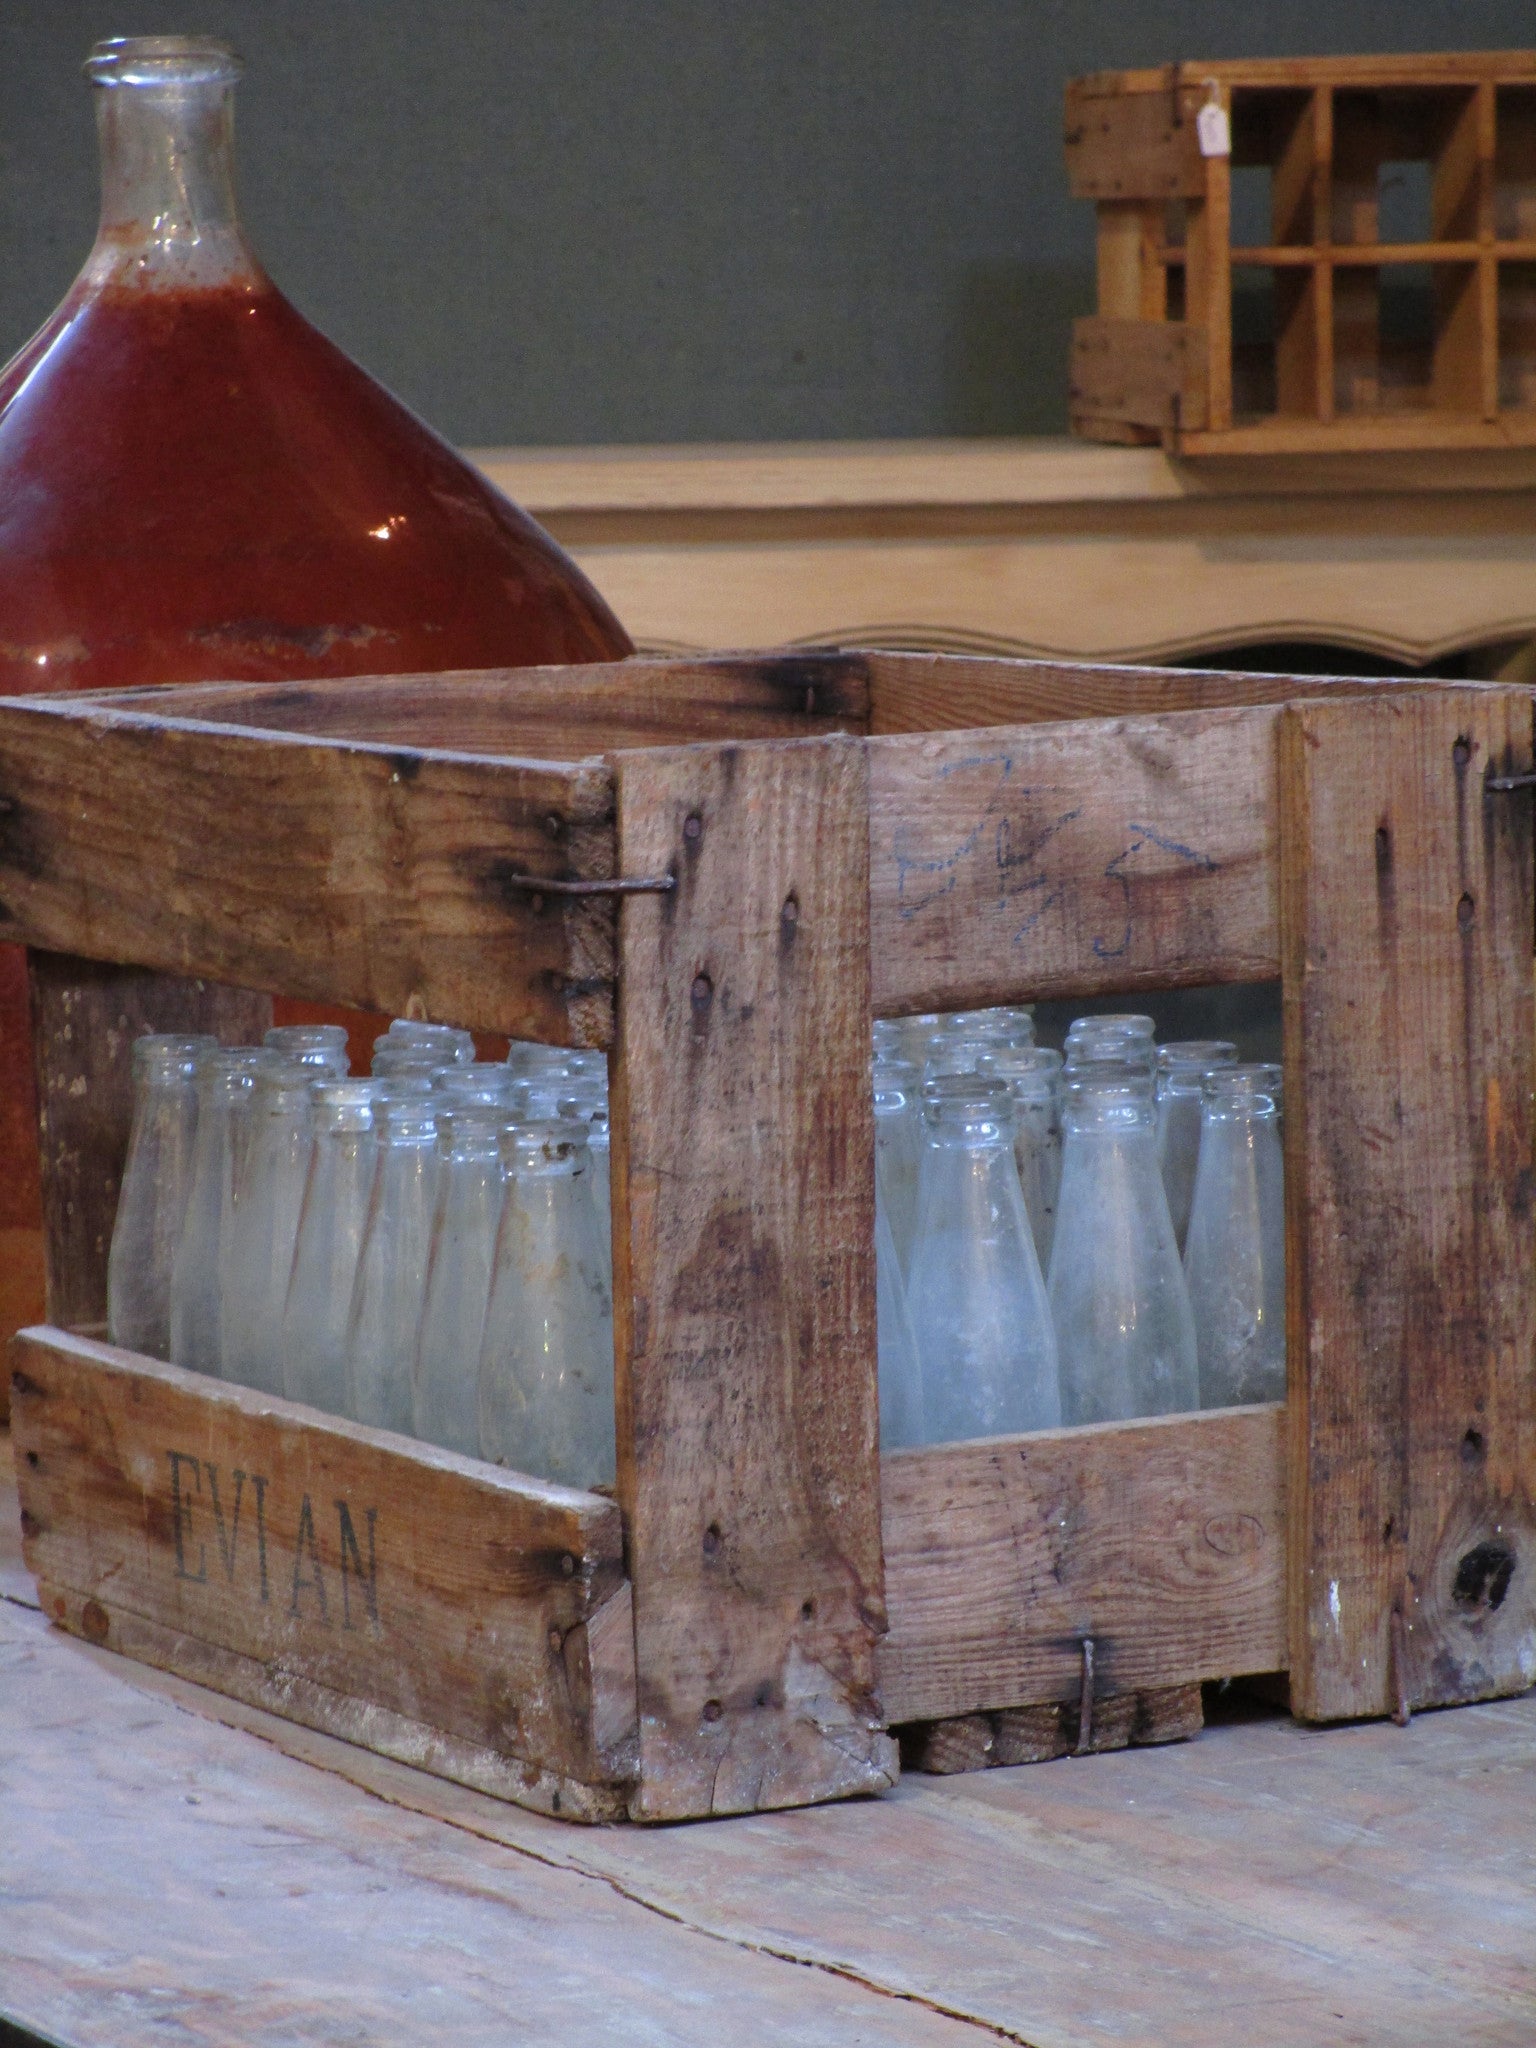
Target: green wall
633,220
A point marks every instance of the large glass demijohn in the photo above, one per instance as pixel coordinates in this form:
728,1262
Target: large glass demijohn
196,485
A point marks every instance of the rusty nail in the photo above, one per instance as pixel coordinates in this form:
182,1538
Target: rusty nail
1085,1702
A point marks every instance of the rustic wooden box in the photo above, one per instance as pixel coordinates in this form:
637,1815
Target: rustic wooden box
719,870
1359,272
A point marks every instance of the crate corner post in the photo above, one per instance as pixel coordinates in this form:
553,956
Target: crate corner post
1406,926
744,1282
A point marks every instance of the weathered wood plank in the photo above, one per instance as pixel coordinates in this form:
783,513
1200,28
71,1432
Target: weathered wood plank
1073,859
85,1017
744,1291
568,713
1163,1541
1412,1272
333,870
955,692
423,1604
1137,373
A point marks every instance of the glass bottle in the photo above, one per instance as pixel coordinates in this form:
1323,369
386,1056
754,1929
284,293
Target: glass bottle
985,1348
484,1081
226,1087
320,1046
384,1318
1111,1037
1181,1066
1235,1258
584,1096
913,1034
330,1236
195,484
470,1189
152,1201
266,1223
901,1384
456,1046
546,1364
1124,1329
898,1149
1033,1077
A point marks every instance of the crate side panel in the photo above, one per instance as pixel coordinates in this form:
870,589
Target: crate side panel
744,1290
1412,1324
567,713
373,876
1073,859
1164,1541
85,1018
339,1560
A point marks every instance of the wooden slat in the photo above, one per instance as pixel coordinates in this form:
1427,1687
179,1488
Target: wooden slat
85,1017
912,693
1407,921
1162,1540
343,872
1146,373
743,1164
1131,146
568,713
1073,859
425,1605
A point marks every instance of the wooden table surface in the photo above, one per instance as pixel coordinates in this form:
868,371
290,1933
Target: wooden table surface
176,1868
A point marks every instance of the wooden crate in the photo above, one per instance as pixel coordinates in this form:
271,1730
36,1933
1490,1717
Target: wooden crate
718,871
1355,271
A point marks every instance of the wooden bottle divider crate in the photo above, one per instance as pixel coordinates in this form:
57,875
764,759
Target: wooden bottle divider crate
1165,357
847,835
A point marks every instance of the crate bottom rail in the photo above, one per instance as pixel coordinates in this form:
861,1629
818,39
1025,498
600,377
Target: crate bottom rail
478,1623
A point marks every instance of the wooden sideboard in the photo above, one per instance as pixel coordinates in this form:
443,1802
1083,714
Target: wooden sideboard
1051,547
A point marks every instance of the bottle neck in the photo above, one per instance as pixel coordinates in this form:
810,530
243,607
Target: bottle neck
166,130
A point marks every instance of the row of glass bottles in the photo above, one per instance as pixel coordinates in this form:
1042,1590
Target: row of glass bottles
1071,1237
426,1250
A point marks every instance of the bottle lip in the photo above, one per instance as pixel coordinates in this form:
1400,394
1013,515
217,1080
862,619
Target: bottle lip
163,60
1198,1053
1248,1081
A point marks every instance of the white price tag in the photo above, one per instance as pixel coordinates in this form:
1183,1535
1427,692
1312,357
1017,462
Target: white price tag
1214,129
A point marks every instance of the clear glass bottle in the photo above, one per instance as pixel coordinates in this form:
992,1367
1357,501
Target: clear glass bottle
901,1383
384,1319
456,1047
913,1034
470,1191
1033,1077
985,1348
1124,1330
480,1081
156,1185
585,1097
330,1237
546,1364
1181,1067
898,1149
1118,1036
322,1047
226,1090
266,1223
1234,1261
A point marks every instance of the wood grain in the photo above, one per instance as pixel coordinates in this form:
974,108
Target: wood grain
1412,1265
1144,373
567,713
333,870
1073,859
912,693
1039,1734
743,1160
1164,1541
85,1017
431,1607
